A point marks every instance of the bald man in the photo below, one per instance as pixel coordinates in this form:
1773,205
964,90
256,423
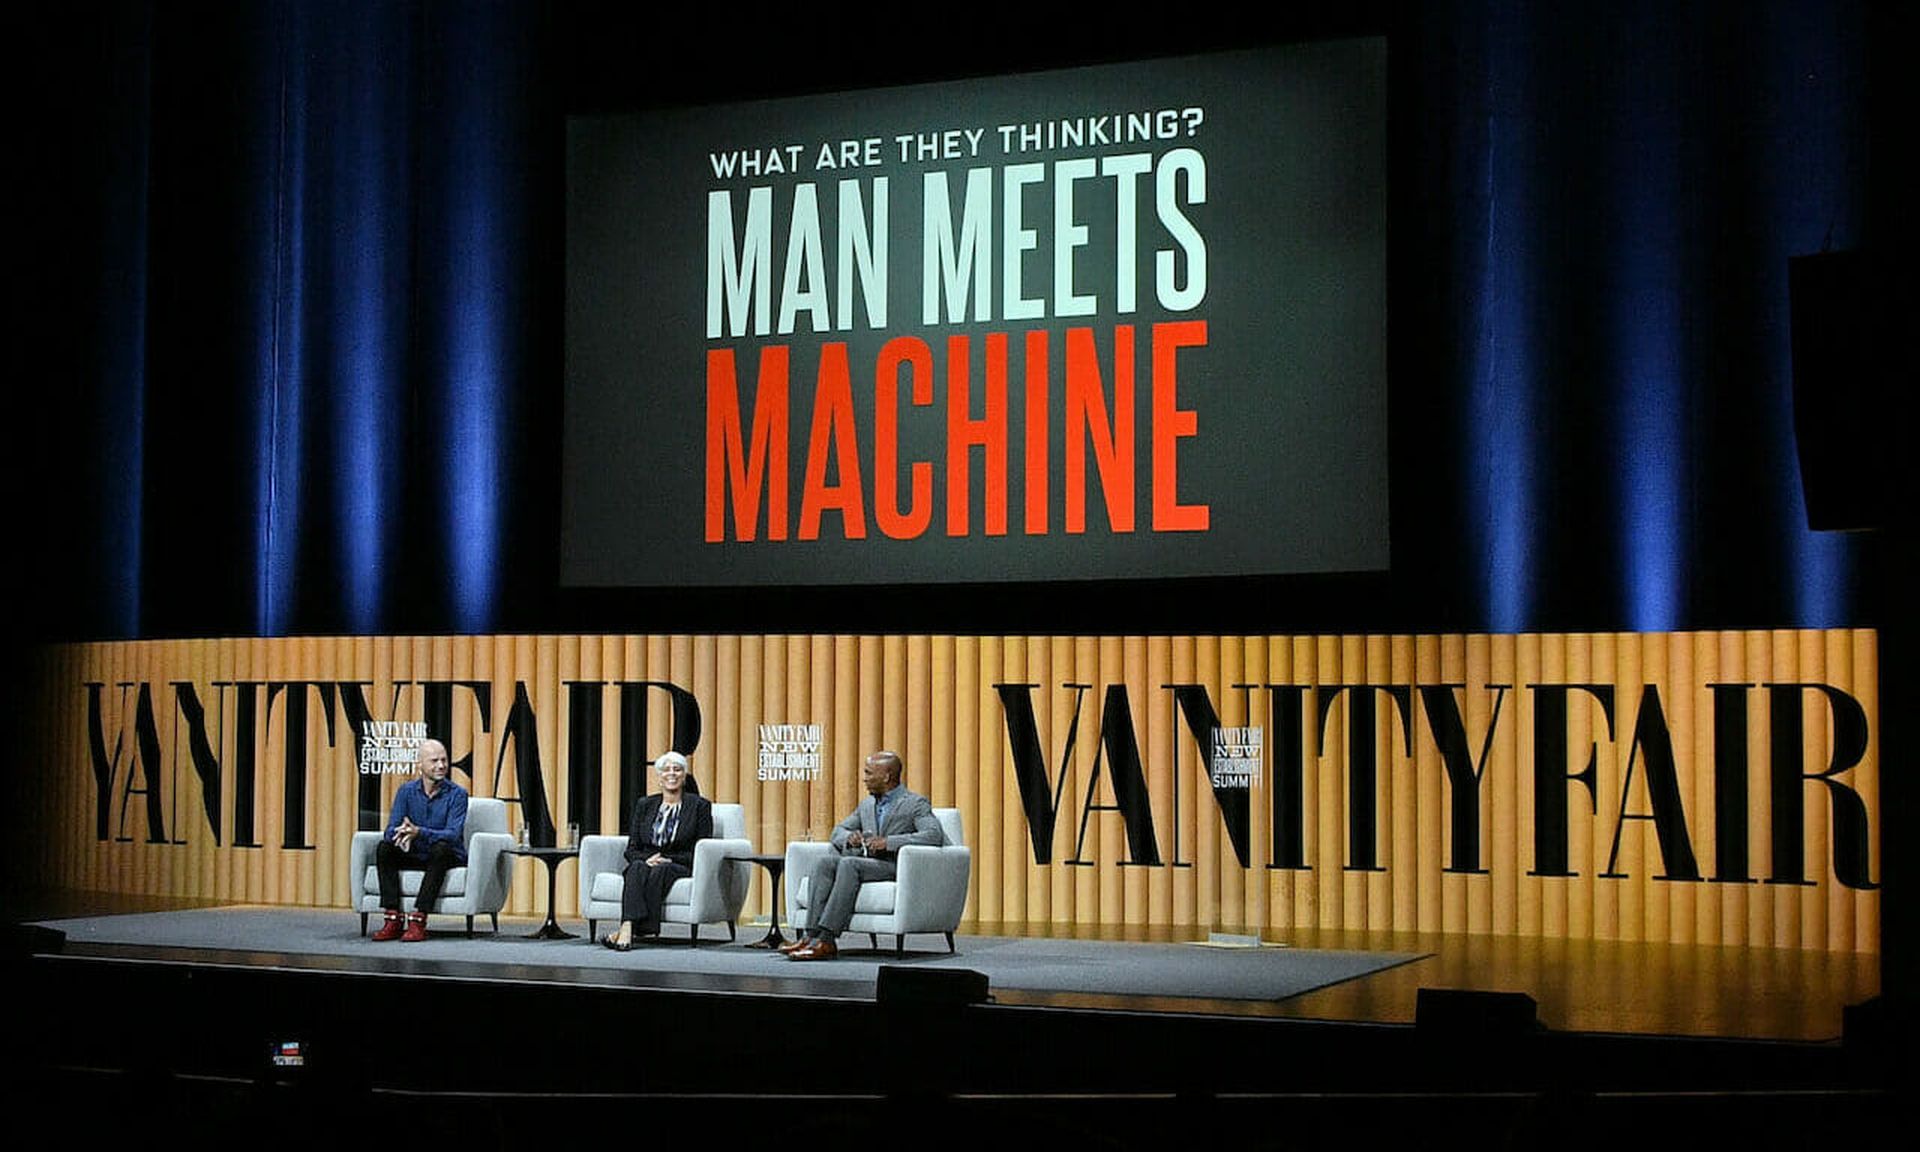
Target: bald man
426,833
866,849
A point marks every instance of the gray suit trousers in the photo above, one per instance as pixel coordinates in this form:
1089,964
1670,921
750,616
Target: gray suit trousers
836,887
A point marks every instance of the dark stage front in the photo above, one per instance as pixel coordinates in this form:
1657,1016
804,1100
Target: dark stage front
177,1017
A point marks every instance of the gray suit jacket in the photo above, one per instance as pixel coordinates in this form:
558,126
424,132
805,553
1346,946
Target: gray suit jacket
910,820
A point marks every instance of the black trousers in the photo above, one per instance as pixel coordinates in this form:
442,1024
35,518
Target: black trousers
645,892
389,861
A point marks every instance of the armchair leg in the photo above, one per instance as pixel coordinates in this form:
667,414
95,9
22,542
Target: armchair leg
873,940
469,927
495,917
593,929
693,935
949,943
730,935
363,923
900,944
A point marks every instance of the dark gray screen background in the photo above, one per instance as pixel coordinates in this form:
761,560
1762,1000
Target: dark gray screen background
1290,391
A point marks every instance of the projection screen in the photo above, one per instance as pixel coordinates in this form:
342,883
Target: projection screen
1116,322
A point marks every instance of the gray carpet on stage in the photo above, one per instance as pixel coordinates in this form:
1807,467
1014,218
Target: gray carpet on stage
318,937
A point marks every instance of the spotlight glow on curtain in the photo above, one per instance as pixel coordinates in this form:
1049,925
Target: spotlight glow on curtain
284,351
1648,372
476,273
1501,495
390,281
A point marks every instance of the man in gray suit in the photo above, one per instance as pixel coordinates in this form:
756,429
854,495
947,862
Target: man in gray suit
866,847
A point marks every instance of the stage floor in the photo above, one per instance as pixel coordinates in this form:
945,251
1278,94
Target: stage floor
1599,987
1037,968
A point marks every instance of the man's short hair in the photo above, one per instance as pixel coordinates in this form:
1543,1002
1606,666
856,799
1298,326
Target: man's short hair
884,756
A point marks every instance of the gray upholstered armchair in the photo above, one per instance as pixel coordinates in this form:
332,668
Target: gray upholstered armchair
715,892
927,894
479,887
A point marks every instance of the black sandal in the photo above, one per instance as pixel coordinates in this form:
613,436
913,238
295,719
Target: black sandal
612,940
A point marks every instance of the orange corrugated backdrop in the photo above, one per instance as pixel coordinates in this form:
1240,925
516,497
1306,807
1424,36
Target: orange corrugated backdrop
932,698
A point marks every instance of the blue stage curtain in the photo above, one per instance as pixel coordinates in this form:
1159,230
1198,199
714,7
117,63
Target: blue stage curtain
1594,212
307,351
296,266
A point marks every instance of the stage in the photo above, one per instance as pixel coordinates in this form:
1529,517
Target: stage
179,1011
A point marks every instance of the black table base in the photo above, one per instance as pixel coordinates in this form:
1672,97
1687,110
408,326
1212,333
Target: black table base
551,857
774,866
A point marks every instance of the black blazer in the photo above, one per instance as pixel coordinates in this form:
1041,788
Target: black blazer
696,823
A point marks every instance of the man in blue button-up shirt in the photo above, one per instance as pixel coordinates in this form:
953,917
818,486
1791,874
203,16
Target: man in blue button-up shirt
428,833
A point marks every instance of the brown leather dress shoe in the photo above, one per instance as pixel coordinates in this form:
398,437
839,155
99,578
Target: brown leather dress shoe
792,946
818,950
391,929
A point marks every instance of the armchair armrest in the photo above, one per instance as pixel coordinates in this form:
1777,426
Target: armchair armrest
932,892
801,855
601,853
359,859
716,880
489,870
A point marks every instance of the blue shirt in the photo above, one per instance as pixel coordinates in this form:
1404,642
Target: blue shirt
880,805
441,817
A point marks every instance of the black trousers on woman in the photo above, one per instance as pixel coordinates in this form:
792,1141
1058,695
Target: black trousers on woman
645,893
